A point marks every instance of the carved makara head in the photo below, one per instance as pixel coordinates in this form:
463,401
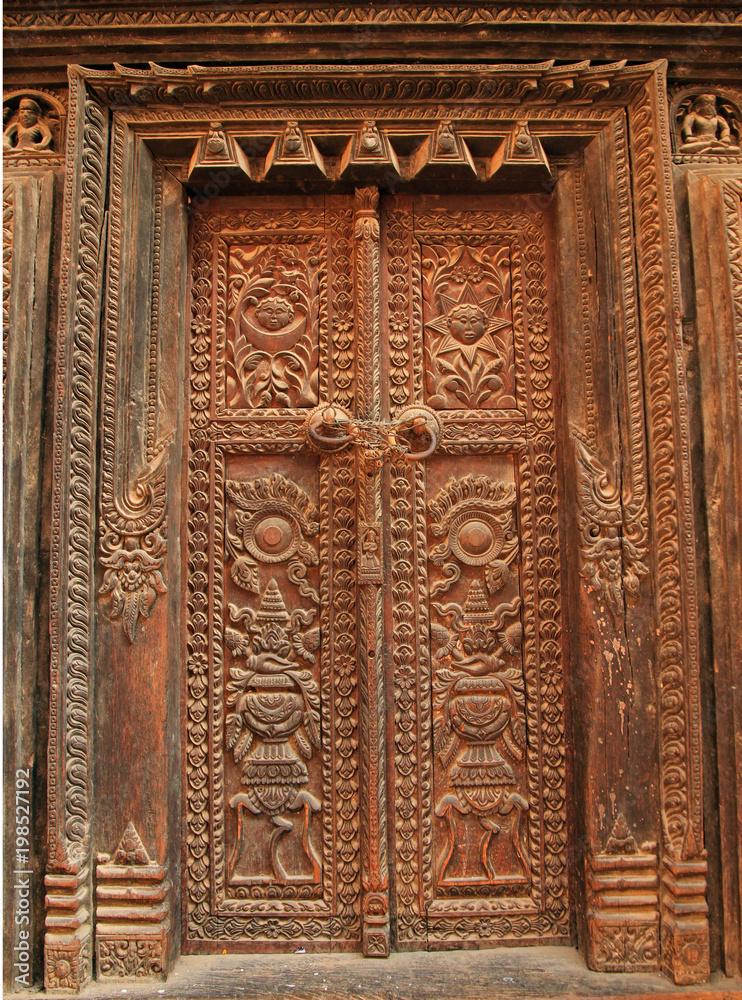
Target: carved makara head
274,312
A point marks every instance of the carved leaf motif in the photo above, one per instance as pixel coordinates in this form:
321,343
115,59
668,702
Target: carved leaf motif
244,572
243,746
234,728
237,643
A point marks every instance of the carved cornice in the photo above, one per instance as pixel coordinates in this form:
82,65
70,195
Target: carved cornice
543,83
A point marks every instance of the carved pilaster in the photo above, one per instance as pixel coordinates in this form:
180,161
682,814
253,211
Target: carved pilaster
683,915
622,905
132,912
375,878
68,900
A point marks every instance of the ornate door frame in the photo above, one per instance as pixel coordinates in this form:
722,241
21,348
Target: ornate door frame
133,138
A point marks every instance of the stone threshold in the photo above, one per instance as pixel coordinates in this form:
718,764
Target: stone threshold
534,973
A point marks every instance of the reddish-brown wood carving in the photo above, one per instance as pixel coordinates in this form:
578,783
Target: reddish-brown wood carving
382,468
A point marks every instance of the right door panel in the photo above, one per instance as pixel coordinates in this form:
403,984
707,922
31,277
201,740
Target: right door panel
478,755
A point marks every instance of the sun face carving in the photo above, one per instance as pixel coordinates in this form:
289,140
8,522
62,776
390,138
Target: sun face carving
468,340
274,313
467,324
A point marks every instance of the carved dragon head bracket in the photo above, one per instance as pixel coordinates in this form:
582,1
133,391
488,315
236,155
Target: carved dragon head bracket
412,437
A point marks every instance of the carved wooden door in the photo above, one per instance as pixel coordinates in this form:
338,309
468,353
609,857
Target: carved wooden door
374,736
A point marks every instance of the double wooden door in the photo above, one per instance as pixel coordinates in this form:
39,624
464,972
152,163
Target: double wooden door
374,730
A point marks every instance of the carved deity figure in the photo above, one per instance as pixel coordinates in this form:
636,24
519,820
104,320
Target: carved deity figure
29,132
704,130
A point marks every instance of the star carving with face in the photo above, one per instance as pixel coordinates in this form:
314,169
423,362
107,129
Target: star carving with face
467,325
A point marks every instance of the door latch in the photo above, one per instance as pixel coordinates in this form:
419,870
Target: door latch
412,437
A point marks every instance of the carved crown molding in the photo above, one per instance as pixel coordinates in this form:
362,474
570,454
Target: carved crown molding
22,15
543,83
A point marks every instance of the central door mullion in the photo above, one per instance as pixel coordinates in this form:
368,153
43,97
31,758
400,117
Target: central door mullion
374,863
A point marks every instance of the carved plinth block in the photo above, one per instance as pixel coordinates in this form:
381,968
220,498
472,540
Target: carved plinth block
132,913
67,964
622,912
520,162
685,931
375,925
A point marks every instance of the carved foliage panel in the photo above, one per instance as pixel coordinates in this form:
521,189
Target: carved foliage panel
476,652
272,719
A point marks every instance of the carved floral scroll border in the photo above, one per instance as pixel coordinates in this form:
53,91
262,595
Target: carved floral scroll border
491,14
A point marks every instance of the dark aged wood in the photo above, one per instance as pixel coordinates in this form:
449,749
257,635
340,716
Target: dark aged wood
378,616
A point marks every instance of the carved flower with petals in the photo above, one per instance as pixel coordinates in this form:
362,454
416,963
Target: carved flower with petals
133,579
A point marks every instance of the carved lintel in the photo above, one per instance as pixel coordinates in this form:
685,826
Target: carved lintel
369,156
520,162
622,905
67,943
132,913
216,152
442,155
294,155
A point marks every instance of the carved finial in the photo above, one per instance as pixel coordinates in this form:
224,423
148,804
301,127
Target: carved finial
477,609
367,208
272,607
131,850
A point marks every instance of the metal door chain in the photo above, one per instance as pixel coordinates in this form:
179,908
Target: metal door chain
412,437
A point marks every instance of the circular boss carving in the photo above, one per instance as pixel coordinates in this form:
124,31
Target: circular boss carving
476,538
271,538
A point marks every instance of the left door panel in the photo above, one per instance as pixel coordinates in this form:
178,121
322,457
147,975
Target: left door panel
271,723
